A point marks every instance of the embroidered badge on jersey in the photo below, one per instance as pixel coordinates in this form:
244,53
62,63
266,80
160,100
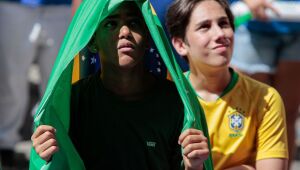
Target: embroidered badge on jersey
236,123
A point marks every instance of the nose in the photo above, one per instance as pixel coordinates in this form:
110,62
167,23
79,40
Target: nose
219,35
124,32
219,32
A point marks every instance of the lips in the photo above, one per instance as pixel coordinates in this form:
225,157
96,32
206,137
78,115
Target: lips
126,47
223,43
221,46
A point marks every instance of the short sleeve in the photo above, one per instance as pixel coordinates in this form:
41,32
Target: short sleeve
272,133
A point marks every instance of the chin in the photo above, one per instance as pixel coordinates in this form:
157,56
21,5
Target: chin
127,64
220,64
219,60
126,59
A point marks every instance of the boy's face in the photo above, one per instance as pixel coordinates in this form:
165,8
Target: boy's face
208,37
121,37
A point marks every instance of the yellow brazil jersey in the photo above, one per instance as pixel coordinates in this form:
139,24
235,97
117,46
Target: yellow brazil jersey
247,123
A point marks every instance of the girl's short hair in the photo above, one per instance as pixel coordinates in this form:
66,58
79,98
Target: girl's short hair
179,13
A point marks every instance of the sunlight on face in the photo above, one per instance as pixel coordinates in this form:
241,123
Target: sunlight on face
209,36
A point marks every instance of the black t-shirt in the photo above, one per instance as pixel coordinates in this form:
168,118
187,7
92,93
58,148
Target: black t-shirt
110,133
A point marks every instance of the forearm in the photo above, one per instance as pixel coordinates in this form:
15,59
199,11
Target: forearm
200,168
241,167
272,163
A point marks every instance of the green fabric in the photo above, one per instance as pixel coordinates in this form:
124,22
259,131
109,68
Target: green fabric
55,106
240,20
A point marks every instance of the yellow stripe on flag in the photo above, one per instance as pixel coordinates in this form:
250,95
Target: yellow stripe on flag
153,10
76,69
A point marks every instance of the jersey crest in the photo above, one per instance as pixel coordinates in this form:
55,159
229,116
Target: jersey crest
236,121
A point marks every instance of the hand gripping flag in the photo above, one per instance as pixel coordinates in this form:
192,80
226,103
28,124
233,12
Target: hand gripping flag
54,108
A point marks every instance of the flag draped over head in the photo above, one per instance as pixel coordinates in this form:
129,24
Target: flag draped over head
54,108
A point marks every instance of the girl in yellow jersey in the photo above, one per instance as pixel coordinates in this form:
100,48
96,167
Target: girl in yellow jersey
246,119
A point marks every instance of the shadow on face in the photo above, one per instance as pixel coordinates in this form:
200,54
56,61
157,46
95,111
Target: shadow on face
122,37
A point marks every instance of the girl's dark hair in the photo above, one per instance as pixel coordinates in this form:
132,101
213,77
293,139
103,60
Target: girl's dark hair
179,13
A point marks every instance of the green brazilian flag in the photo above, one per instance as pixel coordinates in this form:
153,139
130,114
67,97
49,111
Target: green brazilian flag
54,108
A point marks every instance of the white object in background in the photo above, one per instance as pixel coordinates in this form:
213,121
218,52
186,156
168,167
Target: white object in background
35,34
288,11
239,9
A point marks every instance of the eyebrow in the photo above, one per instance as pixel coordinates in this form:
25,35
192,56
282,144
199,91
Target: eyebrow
130,14
205,21
224,17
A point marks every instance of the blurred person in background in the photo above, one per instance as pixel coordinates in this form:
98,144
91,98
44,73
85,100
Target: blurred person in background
30,30
75,5
268,50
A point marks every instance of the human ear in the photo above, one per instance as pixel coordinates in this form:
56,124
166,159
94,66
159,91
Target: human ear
180,46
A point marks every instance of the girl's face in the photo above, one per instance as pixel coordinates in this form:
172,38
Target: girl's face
209,37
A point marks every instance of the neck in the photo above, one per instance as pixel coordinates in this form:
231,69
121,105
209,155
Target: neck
129,84
210,84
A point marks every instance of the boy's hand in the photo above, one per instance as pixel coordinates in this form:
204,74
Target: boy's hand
195,149
44,141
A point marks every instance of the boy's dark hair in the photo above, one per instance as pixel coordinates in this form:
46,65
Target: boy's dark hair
179,13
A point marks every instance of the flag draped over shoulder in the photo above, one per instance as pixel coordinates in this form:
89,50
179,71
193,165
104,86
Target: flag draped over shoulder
54,108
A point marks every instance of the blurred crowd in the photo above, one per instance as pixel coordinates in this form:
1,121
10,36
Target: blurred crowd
31,32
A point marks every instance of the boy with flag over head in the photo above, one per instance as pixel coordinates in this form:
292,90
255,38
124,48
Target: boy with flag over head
122,117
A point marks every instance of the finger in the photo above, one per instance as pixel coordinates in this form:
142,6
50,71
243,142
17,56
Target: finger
198,154
43,147
187,132
41,129
47,154
196,146
43,138
190,139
